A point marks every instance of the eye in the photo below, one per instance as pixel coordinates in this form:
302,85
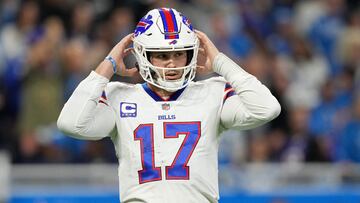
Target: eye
179,54
161,56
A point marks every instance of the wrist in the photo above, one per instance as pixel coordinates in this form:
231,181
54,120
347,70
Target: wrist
105,68
113,62
216,66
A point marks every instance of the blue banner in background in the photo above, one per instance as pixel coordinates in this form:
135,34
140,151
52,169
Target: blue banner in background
82,195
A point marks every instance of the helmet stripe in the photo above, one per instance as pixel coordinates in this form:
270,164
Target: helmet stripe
174,20
169,23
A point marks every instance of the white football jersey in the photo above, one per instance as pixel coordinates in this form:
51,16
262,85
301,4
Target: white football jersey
167,149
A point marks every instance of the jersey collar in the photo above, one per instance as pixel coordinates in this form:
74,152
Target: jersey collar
158,98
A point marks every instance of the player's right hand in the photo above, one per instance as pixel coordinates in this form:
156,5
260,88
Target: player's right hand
119,52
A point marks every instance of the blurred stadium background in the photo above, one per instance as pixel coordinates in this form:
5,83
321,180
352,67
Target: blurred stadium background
306,51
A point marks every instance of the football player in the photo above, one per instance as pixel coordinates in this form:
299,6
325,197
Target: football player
166,131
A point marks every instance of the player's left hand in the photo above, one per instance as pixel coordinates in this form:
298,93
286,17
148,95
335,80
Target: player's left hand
207,53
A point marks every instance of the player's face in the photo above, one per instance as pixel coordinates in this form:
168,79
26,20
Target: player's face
171,59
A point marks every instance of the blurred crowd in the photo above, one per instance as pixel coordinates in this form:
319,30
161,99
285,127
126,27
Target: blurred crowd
306,51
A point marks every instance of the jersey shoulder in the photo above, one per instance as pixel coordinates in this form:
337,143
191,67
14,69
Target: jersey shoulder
116,86
116,89
210,88
218,87
213,81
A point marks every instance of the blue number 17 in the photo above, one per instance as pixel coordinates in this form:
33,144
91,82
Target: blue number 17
178,170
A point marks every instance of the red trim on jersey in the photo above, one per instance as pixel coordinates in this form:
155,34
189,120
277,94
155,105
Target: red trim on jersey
229,91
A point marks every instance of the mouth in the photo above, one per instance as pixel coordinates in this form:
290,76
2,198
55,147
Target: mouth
172,75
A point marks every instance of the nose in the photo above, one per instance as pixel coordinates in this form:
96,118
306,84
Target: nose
170,63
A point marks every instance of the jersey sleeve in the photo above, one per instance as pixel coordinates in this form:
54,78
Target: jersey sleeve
247,102
228,92
87,115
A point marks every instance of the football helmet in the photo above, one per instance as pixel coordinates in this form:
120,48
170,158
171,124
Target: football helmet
163,30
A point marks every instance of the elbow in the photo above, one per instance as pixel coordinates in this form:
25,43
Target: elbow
274,110
68,126
65,125
72,129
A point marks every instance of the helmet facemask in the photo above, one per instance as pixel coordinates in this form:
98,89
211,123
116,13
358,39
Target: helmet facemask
156,75
154,39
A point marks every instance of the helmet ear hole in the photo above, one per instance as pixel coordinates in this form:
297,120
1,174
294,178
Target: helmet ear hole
189,56
147,53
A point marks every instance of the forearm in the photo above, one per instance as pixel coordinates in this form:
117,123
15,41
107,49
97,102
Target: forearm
105,69
256,104
82,116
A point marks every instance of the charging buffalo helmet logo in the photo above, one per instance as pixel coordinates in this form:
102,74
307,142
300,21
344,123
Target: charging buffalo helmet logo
187,22
143,25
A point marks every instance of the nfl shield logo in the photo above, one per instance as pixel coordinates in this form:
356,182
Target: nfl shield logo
165,106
